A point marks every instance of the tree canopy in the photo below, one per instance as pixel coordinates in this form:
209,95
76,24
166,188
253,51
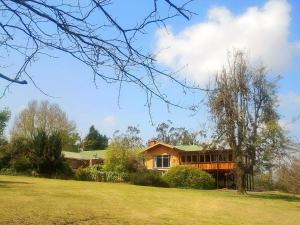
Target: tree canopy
243,107
43,116
4,117
169,134
94,140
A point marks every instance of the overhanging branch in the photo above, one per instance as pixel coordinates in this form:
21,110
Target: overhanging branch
13,80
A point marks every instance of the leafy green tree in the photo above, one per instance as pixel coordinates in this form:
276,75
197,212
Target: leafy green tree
94,140
124,152
45,154
18,153
4,117
4,157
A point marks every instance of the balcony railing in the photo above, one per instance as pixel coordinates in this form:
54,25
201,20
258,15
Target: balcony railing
211,165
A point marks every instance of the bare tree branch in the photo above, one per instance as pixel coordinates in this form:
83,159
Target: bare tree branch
13,80
33,27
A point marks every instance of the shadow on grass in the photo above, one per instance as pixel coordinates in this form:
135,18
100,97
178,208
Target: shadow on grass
7,184
276,196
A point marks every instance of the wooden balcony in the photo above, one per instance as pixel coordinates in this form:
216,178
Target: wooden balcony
212,166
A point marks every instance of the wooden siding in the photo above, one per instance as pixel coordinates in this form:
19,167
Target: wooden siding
161,150
212,166
176,158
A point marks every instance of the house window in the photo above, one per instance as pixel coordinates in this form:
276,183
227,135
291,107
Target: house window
183,158
162,161
222,157
230,157
194,158
188,158
201,158
207,158
213,158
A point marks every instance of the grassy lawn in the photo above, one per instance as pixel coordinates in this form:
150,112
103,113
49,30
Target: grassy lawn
25,200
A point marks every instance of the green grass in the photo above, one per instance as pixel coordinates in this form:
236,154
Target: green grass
25,200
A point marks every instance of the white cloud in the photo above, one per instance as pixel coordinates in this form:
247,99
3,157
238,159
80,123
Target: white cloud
201,49
109,121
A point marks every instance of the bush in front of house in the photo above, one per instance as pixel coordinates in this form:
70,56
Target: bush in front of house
100,174
82,174
188,177
148,178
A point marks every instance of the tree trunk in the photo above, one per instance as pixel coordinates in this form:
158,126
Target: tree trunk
240,179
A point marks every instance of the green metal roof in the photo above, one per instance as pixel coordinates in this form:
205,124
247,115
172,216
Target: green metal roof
189,148
85,155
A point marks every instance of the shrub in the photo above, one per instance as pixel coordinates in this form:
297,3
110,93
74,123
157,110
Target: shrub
113,176
8,171
21,164
82,174
289,177
98,173
149,178
263,182
64,171
188,177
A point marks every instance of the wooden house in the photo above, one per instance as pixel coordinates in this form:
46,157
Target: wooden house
219,163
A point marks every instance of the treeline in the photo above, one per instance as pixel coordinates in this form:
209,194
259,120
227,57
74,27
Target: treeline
42,131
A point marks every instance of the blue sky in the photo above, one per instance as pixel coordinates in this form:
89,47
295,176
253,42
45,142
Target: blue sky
276,43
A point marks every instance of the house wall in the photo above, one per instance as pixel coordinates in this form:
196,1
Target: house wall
161,150
76,163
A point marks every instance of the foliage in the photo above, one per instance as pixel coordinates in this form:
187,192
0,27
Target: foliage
8,171
4,156
21,164
94,140
243,107
289,176
124,152
82,174
98,173
45,153
177,135
14,154
188,177
43,116
264,182
72,142
4,117
148,178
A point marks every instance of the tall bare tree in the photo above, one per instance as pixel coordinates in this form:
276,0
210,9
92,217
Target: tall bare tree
42,116
243,107
91,34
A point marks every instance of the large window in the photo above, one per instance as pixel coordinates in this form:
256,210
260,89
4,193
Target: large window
162,161
194,158
207,158
201,158
213,158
